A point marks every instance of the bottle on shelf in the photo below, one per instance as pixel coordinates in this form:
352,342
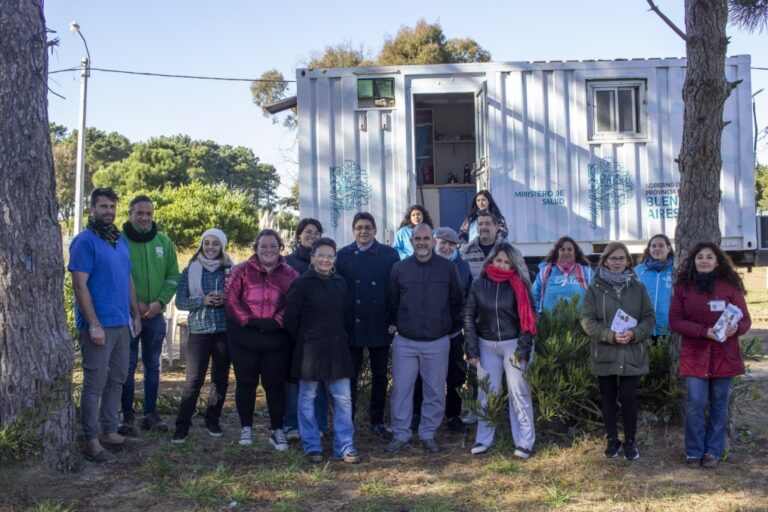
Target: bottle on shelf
467,174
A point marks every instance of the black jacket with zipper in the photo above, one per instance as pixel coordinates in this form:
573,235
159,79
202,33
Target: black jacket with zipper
491,313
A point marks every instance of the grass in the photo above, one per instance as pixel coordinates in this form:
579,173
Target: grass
49,506
375,489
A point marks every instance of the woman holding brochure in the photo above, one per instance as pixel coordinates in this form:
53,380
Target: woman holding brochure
618,317
708,286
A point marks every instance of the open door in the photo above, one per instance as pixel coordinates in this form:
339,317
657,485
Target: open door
481,169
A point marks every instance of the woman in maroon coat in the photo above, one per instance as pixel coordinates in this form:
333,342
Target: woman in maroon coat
707,284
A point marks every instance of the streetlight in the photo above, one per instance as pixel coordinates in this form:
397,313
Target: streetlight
80,170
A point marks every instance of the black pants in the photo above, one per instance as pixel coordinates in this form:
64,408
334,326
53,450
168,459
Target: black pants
457,375
625,389
202,348
379,358
272,366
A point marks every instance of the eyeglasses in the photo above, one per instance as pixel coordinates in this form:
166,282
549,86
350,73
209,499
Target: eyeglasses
366,227
324,257
617,259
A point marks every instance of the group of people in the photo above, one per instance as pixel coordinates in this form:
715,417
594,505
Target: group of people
438,300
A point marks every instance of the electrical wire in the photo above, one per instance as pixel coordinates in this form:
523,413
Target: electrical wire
165,75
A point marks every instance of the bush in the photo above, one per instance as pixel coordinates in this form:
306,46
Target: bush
184,212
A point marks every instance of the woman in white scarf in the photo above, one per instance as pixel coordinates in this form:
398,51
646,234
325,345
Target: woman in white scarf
201,292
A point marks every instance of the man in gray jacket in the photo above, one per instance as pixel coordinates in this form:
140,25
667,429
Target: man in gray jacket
475,252
425,294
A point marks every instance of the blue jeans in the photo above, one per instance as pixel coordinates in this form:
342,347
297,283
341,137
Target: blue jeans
291,420
706,435
152,336
343,428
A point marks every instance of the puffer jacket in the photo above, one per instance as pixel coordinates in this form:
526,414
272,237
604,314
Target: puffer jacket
691,317
254,292
491,313
659,286
299,259
314,317
597,313
557,286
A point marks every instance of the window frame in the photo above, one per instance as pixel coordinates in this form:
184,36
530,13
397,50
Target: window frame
639,88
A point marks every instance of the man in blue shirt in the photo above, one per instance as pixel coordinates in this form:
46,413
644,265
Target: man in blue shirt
105,300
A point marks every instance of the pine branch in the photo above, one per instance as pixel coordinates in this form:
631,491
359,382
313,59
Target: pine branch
669,22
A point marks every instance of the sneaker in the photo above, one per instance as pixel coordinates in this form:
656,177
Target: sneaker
179,435
246,434
292,435
456,424
126,424
395,445
430,445
153,421
630,450
709,461
315,457
693,462
381,430
479,449
278,440
469,418
214,429
613,449
352,457
522,453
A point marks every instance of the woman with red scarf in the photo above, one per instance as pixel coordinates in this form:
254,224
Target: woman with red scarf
618,316
499,325
565,273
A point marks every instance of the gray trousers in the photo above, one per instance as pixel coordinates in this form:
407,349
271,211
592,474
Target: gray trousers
409,359
105,369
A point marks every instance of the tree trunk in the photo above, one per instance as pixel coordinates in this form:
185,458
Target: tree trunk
704,93
35,349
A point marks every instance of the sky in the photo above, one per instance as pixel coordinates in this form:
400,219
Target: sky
242,39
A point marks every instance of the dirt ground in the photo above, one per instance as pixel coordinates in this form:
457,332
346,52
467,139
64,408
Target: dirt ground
565,473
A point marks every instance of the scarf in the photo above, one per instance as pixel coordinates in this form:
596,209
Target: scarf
658,266
107,232
524,309
196,266
576,269
141,237
617,280
706,282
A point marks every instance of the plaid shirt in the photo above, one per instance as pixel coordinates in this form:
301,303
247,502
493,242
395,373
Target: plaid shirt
202,319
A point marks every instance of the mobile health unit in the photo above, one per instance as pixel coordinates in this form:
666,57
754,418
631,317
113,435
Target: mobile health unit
579,148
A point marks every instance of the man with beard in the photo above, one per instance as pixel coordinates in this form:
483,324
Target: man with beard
476,251
105,300
425,295
155,270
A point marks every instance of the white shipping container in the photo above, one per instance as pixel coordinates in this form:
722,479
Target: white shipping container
585,149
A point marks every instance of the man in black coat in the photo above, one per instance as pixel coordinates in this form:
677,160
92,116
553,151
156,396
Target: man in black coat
425,293
366,264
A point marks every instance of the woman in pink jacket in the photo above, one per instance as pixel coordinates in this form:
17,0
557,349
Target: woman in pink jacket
258,344
707,284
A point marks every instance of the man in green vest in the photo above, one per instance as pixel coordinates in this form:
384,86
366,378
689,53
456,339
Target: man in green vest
155,272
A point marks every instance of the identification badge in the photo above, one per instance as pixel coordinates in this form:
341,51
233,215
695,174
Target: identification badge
717,305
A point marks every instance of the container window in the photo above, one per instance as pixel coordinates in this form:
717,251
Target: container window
375,92
617,109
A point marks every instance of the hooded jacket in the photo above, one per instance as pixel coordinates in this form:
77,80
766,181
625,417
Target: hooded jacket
154,268
659,286
557,286
597,313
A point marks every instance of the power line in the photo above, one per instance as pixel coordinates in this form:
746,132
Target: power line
165,75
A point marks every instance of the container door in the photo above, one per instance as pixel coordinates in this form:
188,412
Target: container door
481,137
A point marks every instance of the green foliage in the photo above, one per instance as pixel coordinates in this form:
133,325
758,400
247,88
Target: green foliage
659,392
564,390
69,305
343,55
186,211
761,187
270,88
425,43
50,506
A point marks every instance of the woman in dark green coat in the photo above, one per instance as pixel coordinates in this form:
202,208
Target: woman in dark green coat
615,301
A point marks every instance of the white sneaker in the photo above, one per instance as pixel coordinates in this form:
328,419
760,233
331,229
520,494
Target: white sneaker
278,440
470,418
293,435
522,453
246,434
479,448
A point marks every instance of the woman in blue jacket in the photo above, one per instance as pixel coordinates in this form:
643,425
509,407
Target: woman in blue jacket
656,273
416,214
563,274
